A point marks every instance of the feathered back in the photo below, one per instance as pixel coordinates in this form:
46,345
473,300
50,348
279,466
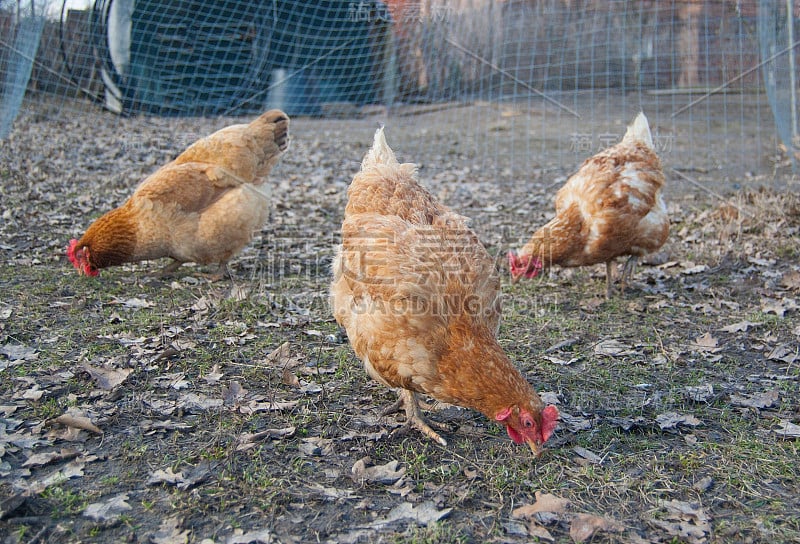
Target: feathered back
380,153
639,131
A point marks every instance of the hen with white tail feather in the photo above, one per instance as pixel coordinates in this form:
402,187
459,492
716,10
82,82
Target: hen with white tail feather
611,207
419,297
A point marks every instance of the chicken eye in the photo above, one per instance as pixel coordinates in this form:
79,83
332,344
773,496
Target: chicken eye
528,423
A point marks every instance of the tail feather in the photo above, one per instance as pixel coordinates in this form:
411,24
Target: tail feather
639,131
380,153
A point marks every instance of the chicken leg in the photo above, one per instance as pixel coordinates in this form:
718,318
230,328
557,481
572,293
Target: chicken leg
609,279
414,418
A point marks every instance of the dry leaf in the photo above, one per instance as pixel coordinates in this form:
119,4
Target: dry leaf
386,474
545,502
583,526
685,520
791,280
588,455
78,422
73,469
42,459
247,441
784,353
707,343
756,400
788,429
233,392
276,406
424,514
778,307
260,536
537,531
613,348
741,326
559,361
671,420
699,393
214,375
169,532
107,378
109,510
316,446
165,477
19,352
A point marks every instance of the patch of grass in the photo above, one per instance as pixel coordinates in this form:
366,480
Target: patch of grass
65,501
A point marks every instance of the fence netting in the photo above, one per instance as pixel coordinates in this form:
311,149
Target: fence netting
525,84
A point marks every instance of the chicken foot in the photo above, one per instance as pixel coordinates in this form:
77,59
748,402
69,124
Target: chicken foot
627,271
414,418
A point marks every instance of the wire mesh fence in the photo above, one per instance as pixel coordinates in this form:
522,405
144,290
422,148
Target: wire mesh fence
516,85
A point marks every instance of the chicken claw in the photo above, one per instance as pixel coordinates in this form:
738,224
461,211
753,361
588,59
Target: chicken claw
414,417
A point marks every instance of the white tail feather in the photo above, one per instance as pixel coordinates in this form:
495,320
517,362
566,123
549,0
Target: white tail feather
639,130
380,153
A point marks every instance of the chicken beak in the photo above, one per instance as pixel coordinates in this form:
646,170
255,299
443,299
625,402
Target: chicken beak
535,447
515,279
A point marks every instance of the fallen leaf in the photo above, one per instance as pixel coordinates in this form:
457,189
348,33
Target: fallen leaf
276,406
214,375
233,392
109,510
537,531
247,441
783,353
316,446
788,429
165,477
386,474
19,352
588,455
741,326
194,402
545,502
559,361
671,420
107,378
42,459
704,484
78,422
424,514
699,393
707,343
685,520
791,280
613,348
765,399
778,307
73,469
134,303
694,269
260,536
584,526
197,474
169,532
335,493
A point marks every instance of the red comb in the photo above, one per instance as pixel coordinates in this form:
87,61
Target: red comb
71,252
549,421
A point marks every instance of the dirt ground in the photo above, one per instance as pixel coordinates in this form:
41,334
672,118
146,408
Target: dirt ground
141,409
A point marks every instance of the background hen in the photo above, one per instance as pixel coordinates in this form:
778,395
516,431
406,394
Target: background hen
611,206
418,295
202,207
